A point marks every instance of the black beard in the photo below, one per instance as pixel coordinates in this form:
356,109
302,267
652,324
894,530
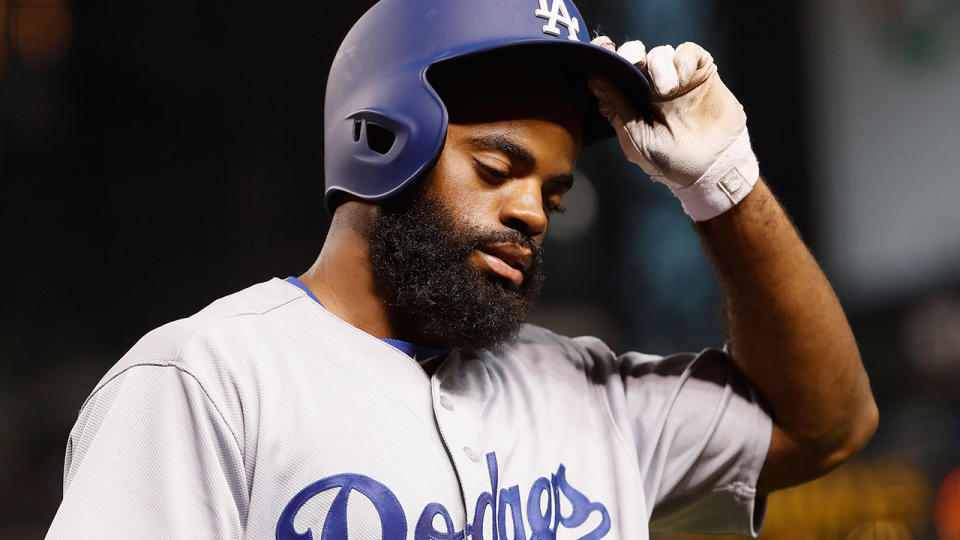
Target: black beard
419,252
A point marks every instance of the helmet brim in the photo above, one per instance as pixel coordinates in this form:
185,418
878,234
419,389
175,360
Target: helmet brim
587,60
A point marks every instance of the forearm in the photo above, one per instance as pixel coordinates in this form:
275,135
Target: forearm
786,328
788,332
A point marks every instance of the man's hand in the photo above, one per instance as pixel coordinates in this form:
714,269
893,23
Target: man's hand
786,328
696,139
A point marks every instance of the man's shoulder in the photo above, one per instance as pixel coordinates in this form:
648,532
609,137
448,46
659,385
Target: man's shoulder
538,349
589,352
234,310
538,346
532,334
198,344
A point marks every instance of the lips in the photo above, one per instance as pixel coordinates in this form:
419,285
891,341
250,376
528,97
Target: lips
509,261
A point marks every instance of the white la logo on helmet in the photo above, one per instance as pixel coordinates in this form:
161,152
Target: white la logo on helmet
558,14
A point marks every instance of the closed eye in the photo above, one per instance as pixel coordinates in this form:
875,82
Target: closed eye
552,207
493,171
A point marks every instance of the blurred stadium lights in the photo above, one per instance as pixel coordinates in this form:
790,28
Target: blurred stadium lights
947,509
881,530
865,499
885,493
34,34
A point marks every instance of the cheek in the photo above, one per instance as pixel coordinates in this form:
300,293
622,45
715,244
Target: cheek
464,192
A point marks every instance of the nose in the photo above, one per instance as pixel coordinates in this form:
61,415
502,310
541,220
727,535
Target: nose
522,208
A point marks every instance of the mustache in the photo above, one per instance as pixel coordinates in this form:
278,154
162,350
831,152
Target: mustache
506,236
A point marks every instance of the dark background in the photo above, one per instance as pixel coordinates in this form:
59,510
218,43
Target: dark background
156,156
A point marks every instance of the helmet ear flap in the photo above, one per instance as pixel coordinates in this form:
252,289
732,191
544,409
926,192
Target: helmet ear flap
377,137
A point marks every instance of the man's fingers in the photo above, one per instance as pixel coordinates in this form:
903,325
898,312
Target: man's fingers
662,71
611,100
693,64
605,42
634,52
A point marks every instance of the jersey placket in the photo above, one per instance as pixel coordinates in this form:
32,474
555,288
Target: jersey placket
458,420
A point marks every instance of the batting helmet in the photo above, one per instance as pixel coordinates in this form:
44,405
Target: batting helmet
385,125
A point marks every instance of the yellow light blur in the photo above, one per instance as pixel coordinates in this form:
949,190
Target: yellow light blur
864,499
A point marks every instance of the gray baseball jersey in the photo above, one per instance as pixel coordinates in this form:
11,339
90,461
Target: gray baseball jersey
265,416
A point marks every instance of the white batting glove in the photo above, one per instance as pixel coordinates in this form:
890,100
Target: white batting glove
696,141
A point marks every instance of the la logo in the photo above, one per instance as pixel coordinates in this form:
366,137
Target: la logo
558,14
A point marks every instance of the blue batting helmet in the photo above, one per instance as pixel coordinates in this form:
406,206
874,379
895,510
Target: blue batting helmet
385,125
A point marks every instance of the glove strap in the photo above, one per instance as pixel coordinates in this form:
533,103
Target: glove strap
726,183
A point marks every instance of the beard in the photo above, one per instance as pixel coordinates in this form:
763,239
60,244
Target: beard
419,252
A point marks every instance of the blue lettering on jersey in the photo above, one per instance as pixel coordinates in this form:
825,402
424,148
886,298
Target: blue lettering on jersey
392,520
503,505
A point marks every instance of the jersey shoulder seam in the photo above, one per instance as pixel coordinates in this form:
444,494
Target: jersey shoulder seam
182,369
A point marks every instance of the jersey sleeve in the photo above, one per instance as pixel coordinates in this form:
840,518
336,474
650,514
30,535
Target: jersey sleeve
701,436
151,456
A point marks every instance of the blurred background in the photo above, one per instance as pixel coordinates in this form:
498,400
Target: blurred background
156,156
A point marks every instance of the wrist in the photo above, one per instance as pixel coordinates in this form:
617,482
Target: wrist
727,182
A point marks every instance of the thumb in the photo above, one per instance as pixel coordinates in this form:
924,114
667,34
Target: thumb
611,100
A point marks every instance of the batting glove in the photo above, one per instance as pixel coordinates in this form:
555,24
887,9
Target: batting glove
695,140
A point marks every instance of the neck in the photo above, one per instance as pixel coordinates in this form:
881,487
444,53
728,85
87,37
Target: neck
342,276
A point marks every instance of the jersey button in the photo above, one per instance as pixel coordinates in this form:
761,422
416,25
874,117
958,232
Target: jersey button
471,453
445,403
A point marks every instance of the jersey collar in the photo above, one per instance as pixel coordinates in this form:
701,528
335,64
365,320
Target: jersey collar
428,357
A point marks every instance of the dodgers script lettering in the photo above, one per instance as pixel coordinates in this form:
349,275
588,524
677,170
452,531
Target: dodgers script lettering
507,519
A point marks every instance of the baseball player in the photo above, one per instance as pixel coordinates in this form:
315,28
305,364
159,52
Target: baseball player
393,392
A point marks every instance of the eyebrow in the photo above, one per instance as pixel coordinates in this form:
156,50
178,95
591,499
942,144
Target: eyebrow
517,152
503,144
